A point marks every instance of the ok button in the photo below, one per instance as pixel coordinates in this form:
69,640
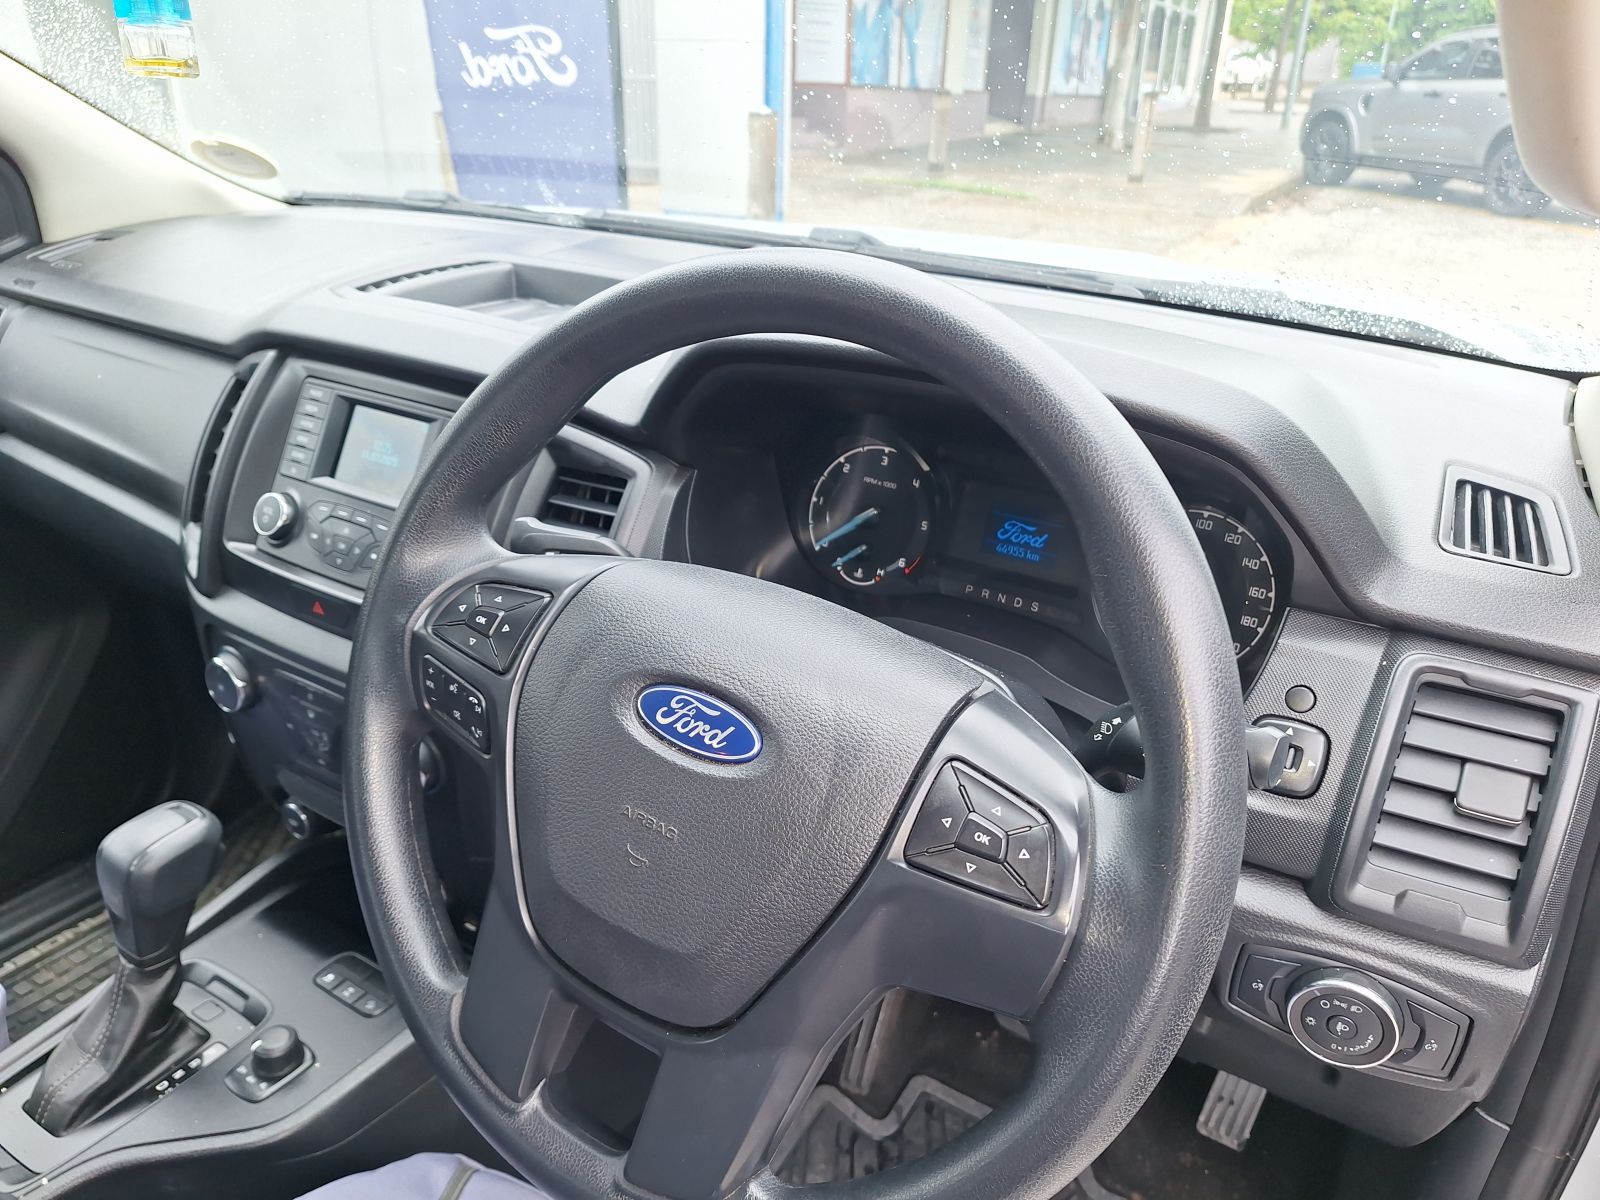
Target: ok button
982,839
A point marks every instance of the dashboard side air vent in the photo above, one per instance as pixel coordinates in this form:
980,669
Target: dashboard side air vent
585,499
1465,804
1499,520
212,470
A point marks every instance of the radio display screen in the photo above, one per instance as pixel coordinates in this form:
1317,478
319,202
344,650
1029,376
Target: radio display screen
381,451
1009,529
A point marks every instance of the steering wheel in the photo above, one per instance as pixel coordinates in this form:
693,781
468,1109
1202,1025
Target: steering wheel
730,816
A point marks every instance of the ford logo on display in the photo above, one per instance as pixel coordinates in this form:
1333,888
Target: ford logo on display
699,724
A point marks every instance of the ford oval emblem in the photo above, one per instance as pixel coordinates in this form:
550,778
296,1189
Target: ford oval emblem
700,724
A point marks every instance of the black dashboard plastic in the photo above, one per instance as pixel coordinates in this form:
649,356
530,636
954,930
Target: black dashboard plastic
111,376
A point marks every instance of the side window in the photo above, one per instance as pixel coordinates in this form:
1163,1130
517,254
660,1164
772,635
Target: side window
1453,60
1487,64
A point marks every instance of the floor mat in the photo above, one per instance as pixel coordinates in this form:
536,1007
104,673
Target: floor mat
1161,1156
836,1139
64,958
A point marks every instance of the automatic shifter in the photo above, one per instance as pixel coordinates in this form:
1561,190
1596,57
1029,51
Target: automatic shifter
151,870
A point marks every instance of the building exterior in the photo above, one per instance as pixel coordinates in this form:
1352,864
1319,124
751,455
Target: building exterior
868,74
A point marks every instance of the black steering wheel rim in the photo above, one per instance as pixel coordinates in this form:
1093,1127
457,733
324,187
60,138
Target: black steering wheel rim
1161,877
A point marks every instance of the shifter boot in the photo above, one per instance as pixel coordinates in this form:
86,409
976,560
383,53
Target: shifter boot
129,1034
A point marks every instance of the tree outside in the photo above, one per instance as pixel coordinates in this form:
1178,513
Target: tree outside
1363,27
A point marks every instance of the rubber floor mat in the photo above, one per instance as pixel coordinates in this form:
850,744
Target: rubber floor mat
836,1139
68,961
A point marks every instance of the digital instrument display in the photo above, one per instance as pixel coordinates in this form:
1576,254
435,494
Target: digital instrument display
381,451
1009,529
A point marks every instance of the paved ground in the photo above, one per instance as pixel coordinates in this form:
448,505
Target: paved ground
1232,199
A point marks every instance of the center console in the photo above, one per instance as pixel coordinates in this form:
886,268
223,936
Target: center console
292,501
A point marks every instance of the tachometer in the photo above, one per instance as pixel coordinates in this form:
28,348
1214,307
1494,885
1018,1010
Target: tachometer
1243,572
870,514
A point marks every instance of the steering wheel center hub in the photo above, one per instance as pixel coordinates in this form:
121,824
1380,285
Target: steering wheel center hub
730,755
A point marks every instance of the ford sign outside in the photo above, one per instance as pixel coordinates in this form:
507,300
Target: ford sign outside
699,724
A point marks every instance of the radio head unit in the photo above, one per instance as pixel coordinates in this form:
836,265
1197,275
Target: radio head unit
347,459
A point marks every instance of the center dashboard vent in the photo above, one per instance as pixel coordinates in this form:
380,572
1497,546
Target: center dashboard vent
1455,836
1499,520
583,499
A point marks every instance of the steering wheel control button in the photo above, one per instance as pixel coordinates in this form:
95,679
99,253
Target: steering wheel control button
492,595
1345,1017
977,836
993,805
484,620
461,606
1028,853
454,701
488,622
977,873
941,816
1307,758
512,627
1258,986
470,642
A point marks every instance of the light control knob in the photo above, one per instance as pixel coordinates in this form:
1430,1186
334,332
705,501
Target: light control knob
1344,1017
229,682
274,516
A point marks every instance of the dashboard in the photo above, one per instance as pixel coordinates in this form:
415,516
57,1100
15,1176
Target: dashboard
237,437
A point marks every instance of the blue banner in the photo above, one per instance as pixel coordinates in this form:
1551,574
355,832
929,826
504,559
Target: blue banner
528,89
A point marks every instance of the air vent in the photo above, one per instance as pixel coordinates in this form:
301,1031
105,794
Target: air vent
1501,521
581,499
202,511
394,281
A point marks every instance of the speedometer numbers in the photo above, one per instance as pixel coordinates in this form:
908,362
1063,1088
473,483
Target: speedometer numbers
870,514
1243,572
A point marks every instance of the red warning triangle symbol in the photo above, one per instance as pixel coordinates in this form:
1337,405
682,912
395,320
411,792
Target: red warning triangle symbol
317,610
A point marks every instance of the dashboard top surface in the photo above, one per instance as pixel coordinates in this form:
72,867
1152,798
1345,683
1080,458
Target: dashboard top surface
1350,439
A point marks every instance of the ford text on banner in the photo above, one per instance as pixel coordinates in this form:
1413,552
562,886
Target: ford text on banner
528,91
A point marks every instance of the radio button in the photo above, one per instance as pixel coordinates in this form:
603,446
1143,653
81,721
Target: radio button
321,510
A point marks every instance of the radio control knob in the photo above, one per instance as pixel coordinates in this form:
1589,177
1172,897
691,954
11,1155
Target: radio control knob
1344,1017
228,681
274,516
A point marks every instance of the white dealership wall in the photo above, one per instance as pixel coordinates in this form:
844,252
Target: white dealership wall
710,61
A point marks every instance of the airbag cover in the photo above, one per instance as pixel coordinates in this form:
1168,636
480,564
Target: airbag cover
680,885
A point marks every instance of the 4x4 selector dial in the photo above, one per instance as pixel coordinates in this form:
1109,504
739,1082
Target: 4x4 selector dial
274,516
1344,1017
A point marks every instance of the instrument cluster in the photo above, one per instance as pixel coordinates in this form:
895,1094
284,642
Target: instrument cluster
880,515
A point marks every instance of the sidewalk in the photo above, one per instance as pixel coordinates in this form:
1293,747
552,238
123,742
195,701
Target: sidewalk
1063,185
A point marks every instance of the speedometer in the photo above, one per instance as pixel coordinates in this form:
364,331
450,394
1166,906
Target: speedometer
1244,575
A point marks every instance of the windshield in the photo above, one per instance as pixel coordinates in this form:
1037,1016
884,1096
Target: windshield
1346,163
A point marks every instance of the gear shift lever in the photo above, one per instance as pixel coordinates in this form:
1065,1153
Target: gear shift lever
151,871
